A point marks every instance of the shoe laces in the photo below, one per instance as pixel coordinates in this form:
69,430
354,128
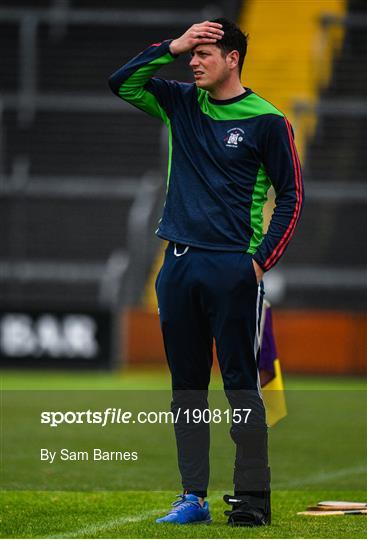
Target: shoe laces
182,503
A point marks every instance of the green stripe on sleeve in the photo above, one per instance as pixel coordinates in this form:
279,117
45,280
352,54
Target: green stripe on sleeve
169,151
133,91
259,198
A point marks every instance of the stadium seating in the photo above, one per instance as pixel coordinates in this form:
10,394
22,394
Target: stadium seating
85,144
9,61
83,59
337,150
74,130
331,227
60,124
143,4
26,3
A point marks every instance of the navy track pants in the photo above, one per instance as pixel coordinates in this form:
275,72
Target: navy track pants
204,294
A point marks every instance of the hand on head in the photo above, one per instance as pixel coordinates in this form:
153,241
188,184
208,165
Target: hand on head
198,34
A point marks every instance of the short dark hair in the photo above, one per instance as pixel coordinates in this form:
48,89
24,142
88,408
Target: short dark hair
233,40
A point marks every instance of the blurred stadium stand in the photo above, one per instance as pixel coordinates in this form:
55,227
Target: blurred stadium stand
81,172
81,184
331,237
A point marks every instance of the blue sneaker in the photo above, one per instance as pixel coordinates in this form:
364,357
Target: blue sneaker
187,510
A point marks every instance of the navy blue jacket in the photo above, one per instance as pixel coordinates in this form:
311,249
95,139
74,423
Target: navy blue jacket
223,157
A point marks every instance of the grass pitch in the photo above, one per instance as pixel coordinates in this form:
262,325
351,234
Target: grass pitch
302,474
132,515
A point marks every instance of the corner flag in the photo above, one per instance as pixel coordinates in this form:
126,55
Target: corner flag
270,372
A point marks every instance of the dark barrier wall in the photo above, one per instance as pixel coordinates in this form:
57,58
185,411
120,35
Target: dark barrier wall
55,338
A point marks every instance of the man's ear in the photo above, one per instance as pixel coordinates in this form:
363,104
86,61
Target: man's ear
232,59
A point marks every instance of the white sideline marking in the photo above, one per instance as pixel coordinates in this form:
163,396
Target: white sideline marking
98,527
320,477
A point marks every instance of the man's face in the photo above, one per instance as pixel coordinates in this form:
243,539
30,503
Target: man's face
209,66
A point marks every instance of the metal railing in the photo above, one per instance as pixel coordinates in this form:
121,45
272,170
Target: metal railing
351,20
60,15
121,278
142,244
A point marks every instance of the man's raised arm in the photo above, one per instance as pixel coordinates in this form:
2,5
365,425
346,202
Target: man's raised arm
134,83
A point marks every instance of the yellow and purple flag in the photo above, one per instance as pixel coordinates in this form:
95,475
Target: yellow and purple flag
270,372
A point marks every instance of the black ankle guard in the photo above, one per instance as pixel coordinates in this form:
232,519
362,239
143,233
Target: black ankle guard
248,510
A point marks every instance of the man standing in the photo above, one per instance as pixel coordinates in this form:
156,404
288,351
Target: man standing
227,145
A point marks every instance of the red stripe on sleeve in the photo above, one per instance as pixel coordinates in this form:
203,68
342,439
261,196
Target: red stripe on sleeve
279,249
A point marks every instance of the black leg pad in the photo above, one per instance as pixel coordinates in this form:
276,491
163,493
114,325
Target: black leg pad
249,510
